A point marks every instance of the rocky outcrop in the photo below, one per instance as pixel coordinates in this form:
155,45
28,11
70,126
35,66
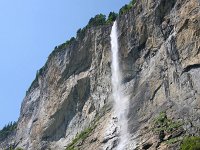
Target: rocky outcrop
70,102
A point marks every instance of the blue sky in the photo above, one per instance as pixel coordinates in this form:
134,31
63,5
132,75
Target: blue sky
29,31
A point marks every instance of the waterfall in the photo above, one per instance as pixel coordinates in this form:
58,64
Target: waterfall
120,100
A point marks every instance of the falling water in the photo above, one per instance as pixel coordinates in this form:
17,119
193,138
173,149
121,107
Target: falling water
120,100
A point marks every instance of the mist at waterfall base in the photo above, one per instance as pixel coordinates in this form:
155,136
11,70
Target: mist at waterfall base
120,100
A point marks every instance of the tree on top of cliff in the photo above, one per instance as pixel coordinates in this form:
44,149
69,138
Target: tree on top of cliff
111,17
98,20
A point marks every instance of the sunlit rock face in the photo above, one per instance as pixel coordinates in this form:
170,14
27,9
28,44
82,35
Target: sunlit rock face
159,55
71,90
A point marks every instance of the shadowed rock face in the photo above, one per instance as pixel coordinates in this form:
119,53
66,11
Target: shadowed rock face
159,44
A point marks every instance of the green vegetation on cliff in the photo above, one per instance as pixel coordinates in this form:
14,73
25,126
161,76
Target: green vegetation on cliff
169,130
191,143
83,135
111,17
127,7
162,123
7,130
98,20
87,131
164,126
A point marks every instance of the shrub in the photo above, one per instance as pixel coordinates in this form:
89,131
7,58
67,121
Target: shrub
191,143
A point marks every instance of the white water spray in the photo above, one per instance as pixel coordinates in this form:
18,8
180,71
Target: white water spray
120,100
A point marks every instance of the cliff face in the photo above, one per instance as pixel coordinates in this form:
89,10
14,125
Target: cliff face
67,94
160,59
